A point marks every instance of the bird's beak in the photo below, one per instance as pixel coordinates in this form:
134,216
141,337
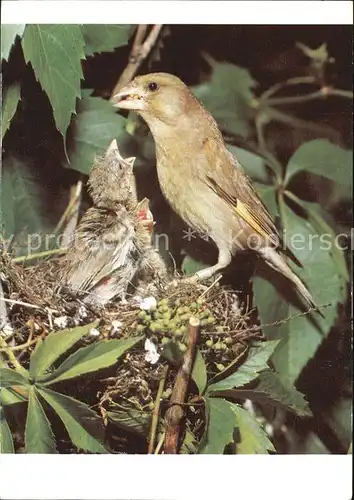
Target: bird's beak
130,97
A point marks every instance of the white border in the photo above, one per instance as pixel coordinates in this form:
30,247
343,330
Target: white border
140,477
190,12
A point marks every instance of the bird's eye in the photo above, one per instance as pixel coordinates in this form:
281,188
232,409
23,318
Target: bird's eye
153,86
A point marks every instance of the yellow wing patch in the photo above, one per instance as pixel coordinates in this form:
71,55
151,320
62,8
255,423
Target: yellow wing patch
247,213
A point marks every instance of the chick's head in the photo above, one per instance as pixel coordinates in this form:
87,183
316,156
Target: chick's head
112,180
156,96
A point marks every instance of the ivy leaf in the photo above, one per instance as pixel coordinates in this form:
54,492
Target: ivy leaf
228,96
10,99
53,346
9,33
84,426
320,157
39,437
199,372
10,378
55,52
252,439
272,390
89,359
92,131
105,37
300,335
220,426
6,442
255,362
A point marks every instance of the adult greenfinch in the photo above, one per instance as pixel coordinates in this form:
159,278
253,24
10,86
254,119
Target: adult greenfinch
201,179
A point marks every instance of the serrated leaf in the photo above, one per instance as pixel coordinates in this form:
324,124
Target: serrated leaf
199,372
271,389
228,97
55,52
9,378
320,157
255,362
53,346
89,359
39,437
10,99
105,37
92,131
301,335
220,426
252,438
6,442
83,425
130,419
9,32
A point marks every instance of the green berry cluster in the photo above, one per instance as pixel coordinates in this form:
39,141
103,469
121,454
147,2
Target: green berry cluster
169,320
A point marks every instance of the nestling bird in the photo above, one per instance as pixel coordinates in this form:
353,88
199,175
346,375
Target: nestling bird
112,245
203,182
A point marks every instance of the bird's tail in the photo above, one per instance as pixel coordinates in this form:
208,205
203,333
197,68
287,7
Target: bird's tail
277,262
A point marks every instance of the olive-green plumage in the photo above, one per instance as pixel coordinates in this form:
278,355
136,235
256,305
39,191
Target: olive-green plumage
203,182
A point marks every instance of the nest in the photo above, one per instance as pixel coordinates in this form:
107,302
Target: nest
35,307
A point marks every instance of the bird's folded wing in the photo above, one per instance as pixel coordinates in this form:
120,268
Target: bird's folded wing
245,202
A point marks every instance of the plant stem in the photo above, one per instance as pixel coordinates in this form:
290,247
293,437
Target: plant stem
155,416
319,94
298,80
39,255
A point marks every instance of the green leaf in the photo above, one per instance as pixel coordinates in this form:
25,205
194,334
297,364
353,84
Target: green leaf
255,362
53,346
300,335
92,131
252,438
39,437
10,99
6,442
105,37
253,165
130,419
340,420
11,396
11,378
9,32
24,214
55,52
199,373
228,96
220,426
84,426
190,266
322,158
268,196
316,217
272,390
91,358
189,444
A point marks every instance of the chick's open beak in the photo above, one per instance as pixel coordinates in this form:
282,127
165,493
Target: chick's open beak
130,97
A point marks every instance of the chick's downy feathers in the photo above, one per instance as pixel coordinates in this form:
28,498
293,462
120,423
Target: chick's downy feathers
112,244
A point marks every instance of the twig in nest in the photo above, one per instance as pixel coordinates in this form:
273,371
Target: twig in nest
140,51
155,415
211,286
175,412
